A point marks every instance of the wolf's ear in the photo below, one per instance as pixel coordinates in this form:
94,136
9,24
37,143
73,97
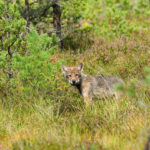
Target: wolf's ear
64,69
80,67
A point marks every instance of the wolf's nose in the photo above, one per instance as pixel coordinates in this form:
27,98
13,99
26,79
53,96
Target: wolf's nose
73,81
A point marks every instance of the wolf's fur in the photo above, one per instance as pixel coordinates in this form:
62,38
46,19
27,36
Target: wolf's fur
90,86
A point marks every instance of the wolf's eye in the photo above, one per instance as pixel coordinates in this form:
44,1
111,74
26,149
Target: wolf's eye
69,75
76,75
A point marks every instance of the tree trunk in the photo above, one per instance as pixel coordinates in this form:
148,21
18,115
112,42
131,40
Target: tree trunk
27,15
147,146
57,21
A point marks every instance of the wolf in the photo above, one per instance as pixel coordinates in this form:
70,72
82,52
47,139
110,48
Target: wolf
91,86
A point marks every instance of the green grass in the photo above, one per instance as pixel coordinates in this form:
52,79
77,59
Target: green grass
59,119
109,124
62,121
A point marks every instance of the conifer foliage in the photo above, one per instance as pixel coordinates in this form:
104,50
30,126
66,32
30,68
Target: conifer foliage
25,57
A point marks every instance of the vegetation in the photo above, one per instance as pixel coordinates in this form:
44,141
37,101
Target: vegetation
39,109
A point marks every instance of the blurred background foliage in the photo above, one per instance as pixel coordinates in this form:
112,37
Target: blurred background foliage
38,108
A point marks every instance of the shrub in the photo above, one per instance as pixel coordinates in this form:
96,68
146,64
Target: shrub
25,59
35,71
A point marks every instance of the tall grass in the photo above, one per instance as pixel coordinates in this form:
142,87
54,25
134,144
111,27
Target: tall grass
105,125
62,121
57,119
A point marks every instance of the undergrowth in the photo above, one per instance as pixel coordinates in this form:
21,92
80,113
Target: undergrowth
39,109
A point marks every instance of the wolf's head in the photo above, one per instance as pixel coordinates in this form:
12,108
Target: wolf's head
73,74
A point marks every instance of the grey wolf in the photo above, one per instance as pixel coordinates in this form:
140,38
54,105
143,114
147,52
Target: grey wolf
90,86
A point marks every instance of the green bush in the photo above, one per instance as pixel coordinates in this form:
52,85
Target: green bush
12,31
25,59
35,71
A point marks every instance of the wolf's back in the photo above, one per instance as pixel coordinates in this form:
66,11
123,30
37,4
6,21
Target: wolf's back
104,85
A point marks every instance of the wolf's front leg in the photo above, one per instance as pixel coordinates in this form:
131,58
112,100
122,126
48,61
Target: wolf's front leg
87,98
86,93
88,101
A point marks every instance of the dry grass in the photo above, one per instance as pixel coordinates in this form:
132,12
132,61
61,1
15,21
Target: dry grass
106,125
61,121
